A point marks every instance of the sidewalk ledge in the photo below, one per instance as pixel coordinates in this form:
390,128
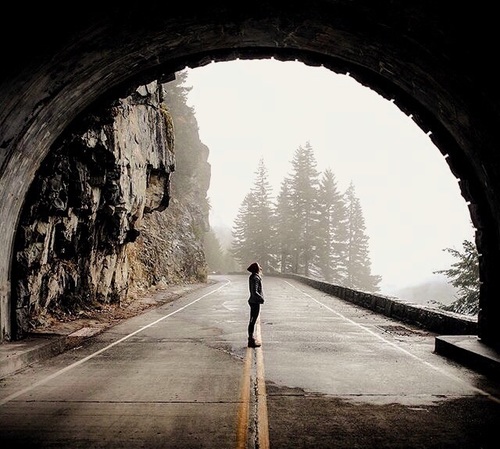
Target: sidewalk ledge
468,350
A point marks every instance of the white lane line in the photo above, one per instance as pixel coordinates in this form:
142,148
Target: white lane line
85,359
430,365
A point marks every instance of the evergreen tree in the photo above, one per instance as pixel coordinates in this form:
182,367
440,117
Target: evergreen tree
304,195
253,229
332,231
178,90
464,275
241,247
229,264
218,259
213,252
265,231
359,275
186,135
191,178
285,232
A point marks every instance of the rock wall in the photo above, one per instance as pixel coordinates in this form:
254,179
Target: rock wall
92,229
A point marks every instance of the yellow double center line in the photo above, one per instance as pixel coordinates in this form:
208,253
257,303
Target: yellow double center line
257,381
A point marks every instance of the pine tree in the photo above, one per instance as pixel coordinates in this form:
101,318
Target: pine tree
332,231
213,252
464,275
253,230
359,275
186,135
304,195
264,219
241,248
218,259
285,233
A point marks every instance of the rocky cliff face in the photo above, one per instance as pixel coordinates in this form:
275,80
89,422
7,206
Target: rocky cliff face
99,223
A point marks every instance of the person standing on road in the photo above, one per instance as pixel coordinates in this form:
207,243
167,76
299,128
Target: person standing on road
255,300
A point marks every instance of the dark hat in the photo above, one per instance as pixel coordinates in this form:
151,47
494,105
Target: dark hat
254,268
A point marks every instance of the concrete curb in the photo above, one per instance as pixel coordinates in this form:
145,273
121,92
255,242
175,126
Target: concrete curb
35,348
469,351
431,319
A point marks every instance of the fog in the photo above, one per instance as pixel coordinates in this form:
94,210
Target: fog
413,209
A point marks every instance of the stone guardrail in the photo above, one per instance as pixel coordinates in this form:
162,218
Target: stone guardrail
434,320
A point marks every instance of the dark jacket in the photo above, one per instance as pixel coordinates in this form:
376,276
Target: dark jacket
255,286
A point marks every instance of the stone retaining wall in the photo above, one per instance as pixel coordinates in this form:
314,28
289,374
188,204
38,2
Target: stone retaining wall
434,320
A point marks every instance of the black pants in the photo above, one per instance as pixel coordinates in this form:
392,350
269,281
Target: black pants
254,314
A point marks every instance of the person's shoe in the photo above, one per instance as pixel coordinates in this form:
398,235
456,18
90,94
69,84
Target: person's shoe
252,343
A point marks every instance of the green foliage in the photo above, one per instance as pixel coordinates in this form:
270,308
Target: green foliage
190,176
285,232
312,229
332,231
217,259
304,210
241,248
253,230
358,259
464,276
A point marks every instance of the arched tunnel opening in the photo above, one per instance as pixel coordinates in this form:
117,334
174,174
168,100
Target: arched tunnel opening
390,51
76,248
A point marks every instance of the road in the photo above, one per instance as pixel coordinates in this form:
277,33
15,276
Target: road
328,375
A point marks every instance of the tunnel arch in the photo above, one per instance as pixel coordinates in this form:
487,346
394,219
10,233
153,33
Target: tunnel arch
412,53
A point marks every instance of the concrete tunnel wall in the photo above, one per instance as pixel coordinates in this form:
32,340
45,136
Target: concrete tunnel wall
413,53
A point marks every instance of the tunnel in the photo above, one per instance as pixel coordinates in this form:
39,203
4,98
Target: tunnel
423,56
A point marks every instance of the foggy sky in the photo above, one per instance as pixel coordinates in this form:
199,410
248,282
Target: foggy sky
411,202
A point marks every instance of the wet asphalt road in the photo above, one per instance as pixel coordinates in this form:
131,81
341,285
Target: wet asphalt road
328,375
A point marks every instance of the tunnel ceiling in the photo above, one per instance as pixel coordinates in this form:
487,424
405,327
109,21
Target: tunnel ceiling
409,52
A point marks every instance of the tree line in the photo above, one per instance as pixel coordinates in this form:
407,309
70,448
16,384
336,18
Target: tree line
314,229
311,227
